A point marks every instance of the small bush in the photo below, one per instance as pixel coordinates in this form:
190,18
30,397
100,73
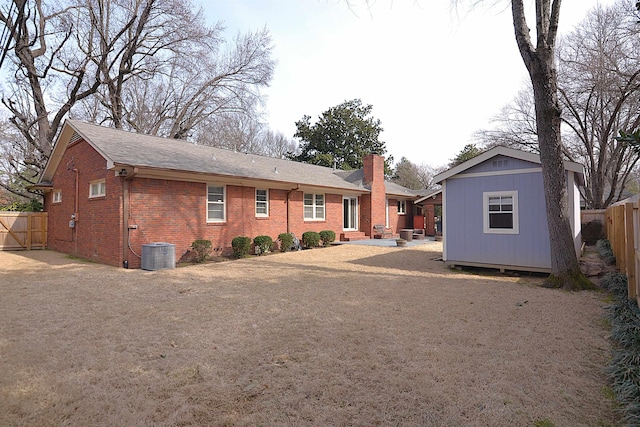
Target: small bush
310,239
262,244
603,246
592,232
201,249
241,246
286,241
624,369
327,237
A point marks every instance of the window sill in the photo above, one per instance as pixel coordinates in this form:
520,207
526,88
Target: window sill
503,231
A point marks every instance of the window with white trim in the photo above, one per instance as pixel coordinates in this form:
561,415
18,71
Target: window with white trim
500,212
313,206
262,202
57,196
402,207
216,198
97,188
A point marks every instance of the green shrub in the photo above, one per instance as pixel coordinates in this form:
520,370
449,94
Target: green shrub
262,244
327,237
624,368
201,249
30,206
310,239
603,246
592,232
286,241
241,246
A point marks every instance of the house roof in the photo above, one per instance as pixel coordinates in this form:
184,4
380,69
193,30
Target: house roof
128,149
356,176
432,193
504,151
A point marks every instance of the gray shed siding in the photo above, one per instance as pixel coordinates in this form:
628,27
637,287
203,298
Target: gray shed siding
465,238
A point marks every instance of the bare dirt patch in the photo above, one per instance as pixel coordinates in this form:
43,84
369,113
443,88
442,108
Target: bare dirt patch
348,335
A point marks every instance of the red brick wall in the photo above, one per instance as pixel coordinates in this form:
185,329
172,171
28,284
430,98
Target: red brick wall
373,207
399,221
175,212
97,233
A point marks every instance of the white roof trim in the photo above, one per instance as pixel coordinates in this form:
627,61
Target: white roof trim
428,196
504,151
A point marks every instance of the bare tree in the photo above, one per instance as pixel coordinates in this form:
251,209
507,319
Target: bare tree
514,126
244,133
194,88
169,52
598,78
233,131
149,65
41,58
599,81
276,144
414,176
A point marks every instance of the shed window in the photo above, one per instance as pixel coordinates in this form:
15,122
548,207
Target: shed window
262,202
215,203
97,188
313,206
501,212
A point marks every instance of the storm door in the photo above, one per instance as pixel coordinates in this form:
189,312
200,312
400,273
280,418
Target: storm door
350,213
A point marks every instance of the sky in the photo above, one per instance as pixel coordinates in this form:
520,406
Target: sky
434,74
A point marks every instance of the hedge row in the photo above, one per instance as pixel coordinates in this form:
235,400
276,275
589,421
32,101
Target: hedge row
286,242
624,368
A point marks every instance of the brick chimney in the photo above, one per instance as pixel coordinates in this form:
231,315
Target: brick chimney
373,206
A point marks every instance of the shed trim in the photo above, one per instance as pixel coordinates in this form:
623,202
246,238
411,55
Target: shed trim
497,173
505,151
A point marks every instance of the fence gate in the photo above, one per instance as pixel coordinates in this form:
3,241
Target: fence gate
23,230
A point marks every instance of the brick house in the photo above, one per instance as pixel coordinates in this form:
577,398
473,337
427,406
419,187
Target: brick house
109,191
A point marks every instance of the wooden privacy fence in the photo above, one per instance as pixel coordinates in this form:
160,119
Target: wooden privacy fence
622,222
23,230
588,215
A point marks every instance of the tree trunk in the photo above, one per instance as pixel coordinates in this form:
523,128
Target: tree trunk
539,60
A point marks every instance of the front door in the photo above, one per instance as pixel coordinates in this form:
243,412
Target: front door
350,213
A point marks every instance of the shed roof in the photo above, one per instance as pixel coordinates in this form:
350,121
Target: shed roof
504,151
122,148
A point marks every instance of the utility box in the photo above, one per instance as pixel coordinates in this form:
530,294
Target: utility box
158,256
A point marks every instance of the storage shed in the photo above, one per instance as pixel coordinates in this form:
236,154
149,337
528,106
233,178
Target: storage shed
494,211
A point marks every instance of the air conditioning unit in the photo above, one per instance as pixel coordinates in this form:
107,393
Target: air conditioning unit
158,256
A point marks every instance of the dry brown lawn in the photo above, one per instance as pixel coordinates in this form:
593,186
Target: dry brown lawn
342,336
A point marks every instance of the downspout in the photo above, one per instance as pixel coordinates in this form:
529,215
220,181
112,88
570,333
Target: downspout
288,213
75,213
126,206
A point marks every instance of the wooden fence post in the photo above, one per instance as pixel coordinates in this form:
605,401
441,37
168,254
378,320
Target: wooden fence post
618,243
630,254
